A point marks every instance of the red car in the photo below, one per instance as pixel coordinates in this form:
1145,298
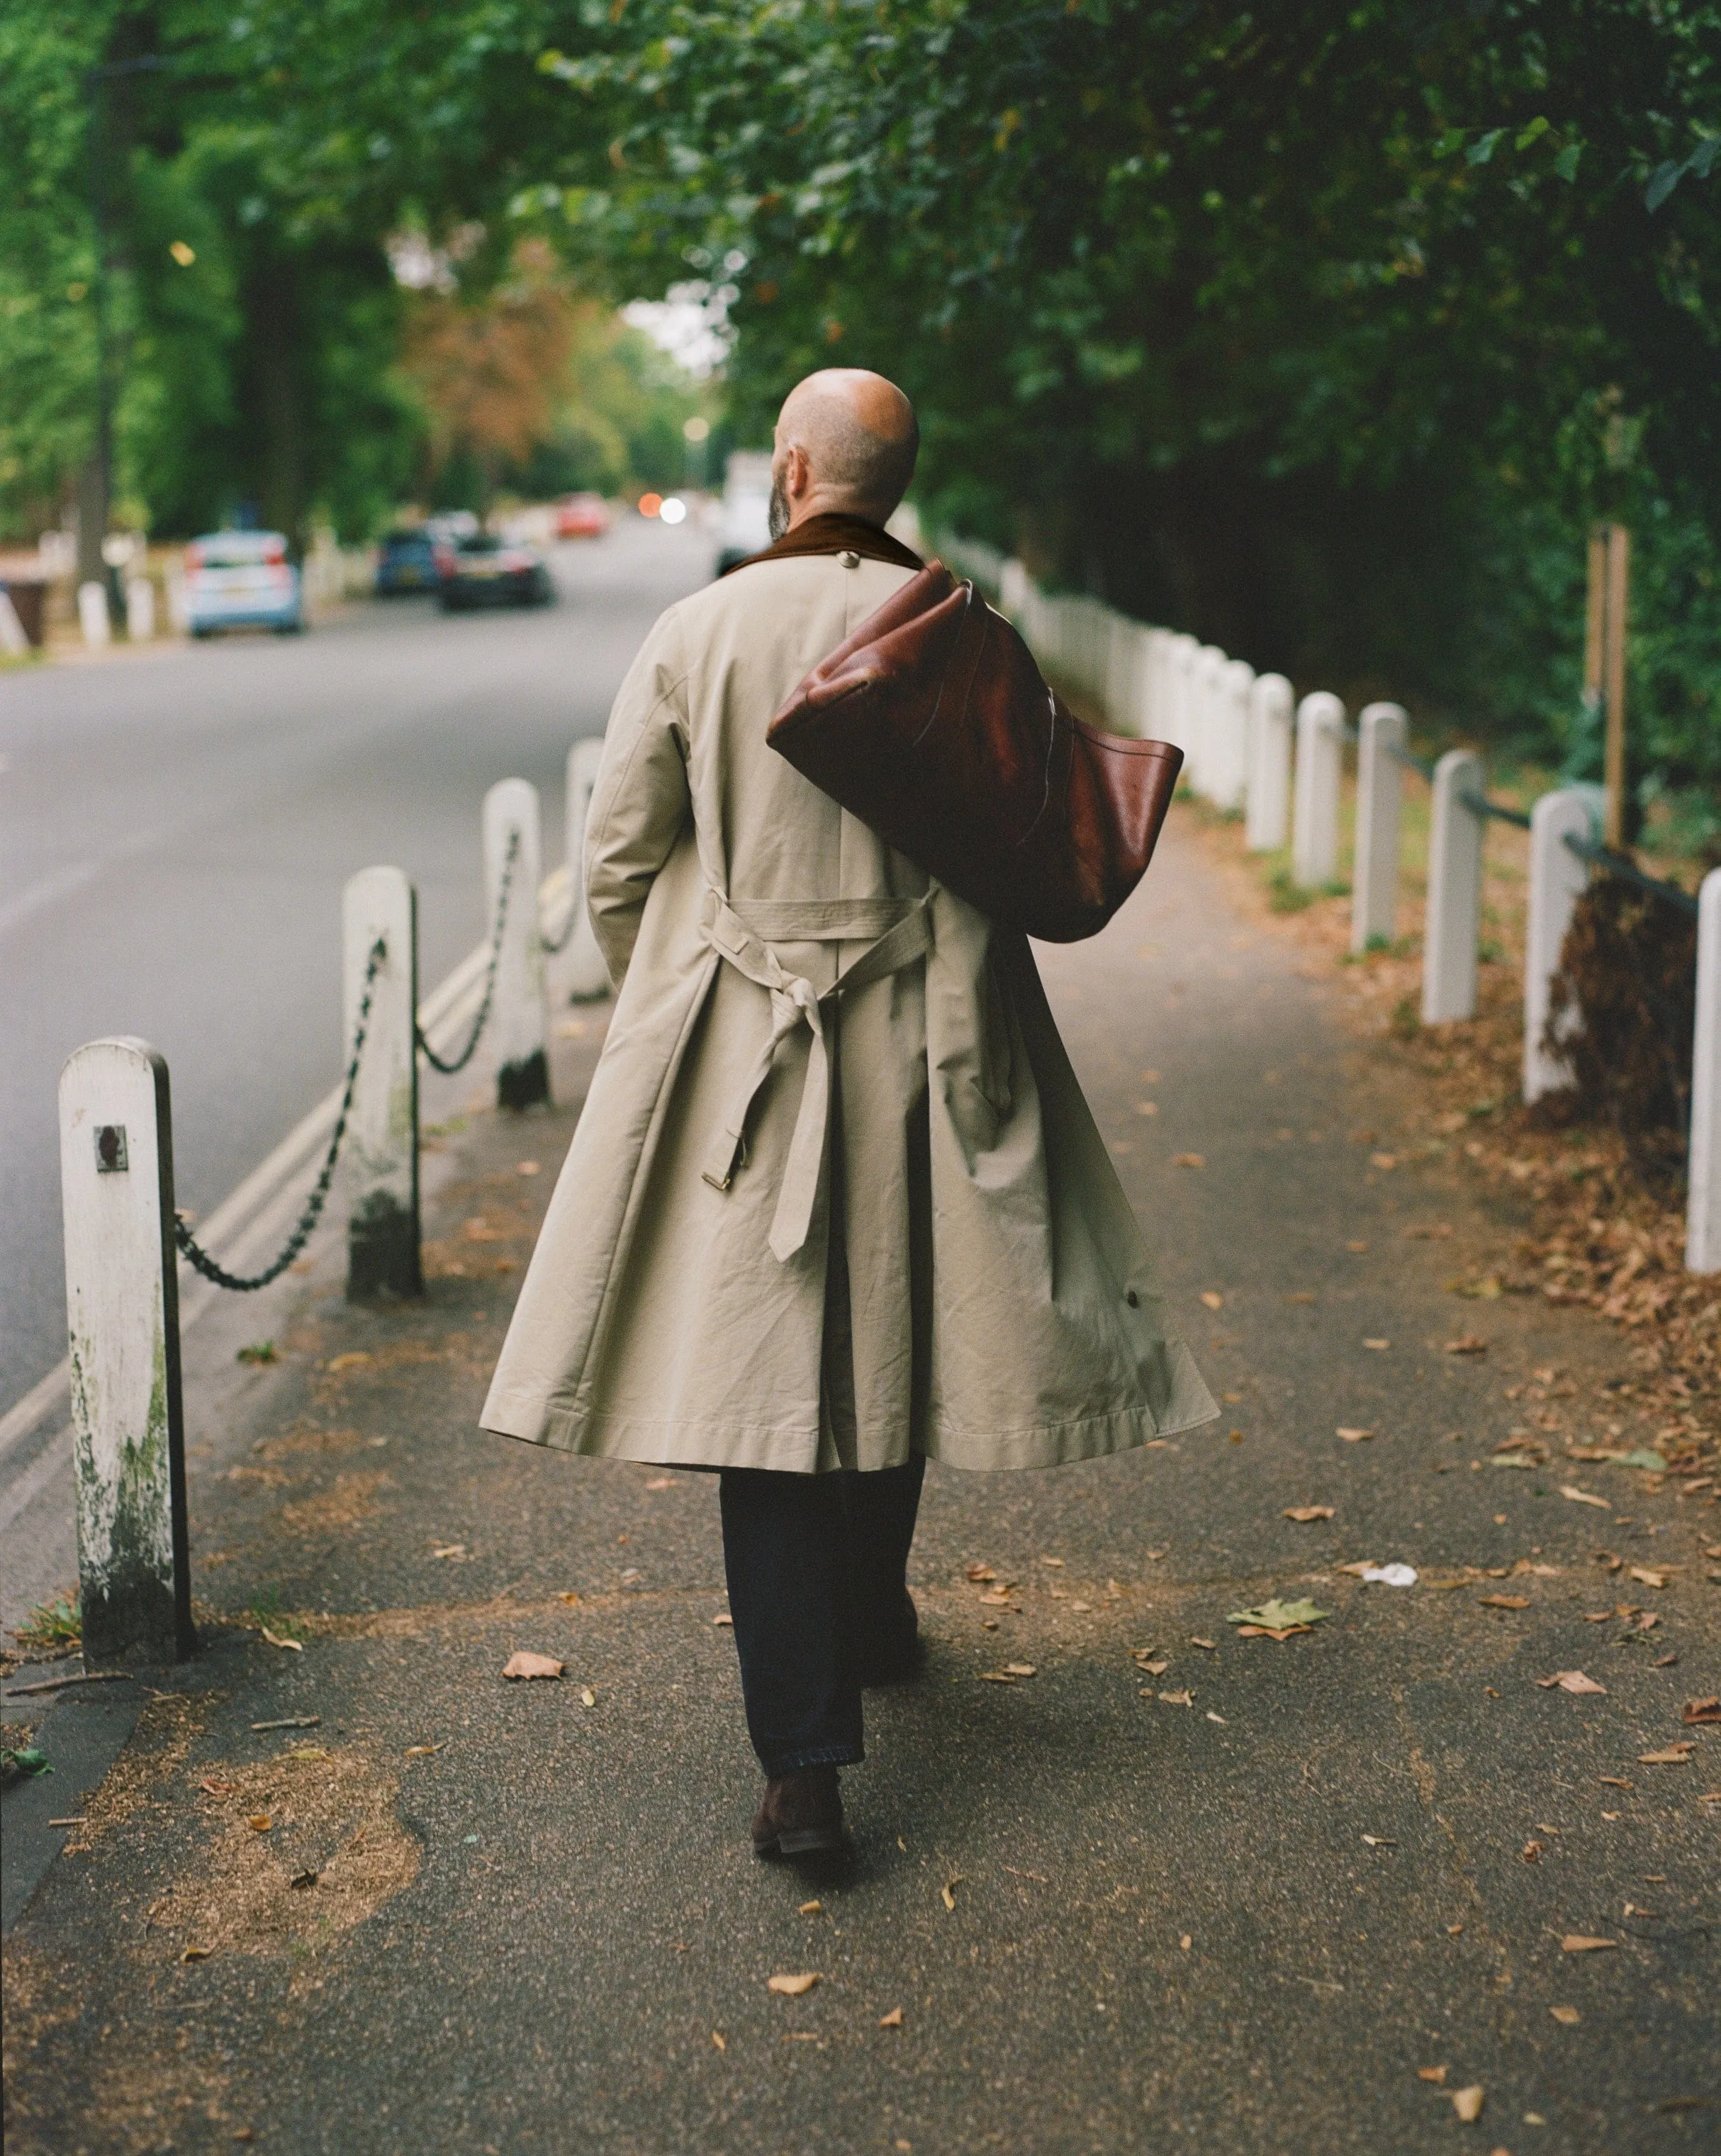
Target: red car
582,517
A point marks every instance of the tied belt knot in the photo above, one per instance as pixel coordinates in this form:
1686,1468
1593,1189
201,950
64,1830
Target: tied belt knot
901,931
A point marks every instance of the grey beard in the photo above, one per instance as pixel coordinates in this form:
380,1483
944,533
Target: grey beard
777,521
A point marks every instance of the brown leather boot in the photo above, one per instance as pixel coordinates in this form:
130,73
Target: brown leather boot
800,1814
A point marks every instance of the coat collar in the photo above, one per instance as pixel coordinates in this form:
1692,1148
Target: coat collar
834,533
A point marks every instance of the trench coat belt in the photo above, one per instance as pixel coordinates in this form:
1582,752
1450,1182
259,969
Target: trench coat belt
903,930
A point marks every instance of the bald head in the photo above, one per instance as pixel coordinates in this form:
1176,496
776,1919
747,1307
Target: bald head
846,441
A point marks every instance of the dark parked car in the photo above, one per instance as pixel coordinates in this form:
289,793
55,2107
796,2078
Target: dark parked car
406,562
484,570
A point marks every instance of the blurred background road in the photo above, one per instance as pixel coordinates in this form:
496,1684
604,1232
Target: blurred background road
176,827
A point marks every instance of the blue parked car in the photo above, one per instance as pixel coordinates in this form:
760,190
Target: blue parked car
242,580
406,562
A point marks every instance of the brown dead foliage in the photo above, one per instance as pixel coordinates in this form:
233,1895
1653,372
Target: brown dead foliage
353,1498
165,1731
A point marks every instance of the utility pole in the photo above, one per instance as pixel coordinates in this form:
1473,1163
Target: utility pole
1605,662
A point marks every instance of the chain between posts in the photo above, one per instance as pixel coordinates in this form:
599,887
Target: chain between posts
189,1244
1478,804
465,1056
568,925
1627,871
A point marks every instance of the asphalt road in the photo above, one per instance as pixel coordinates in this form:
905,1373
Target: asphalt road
176,826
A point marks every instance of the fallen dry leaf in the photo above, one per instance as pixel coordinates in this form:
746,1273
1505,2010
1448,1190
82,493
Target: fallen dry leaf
567,1595
792,1987
1356,1246
1573,1681
1303,1514
1646,1577
1377,1345
1379,1841
196,1954
1354,1436
809,1908
526,1168
980,1573
893,2019
719,2040
1695,1710
587,1696
1504,1601
1615,1781
1586,1497
1467,1343
423,1751
948,1891
1582,1943
1185,1942
1568,2017
1211,1645
1189,1160
723,1617
1280,1633
280,1640
1178,1698
996,1677
354,1359
1435,2074
1019,1669
1531,1852
1213,1301
1671,1755
1468,2102
259,1822
1153,1669
521,1664
661,1483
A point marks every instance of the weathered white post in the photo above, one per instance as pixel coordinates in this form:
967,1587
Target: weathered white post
140,609
1012,591
1155,706
1204,680
122,1327
1320,773
1557,878
1268,804
1229,757
379,906
1702,1209
92,613
517,1011
1453,923
583,968
1381,729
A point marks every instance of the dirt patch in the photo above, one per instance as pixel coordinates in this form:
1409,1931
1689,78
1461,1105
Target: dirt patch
305,1846
352,1499
166,1729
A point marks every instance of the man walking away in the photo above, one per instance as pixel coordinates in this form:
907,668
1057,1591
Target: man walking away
835,1205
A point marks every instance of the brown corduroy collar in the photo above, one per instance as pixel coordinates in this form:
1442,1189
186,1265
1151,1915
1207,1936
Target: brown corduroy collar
834,533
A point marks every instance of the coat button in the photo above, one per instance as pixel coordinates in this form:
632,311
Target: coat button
849,560
1132,1298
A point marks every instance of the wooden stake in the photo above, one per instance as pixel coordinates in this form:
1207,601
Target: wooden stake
1613,678
1594,616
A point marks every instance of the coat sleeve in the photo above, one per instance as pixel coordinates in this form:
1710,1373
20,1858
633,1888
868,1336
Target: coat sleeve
640,804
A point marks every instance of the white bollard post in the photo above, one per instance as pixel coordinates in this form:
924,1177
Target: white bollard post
517,1013
1155,706
1381,729
1012,591
92,613
1267,806
122,1327
1209,664
1454,924
140,610
1229,756
1557,878
583,969
1320,773
1703,1208
1179,696
383,1231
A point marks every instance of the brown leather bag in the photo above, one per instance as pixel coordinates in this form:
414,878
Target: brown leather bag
933,724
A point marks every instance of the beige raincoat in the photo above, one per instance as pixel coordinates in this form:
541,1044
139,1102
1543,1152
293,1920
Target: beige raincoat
798,1228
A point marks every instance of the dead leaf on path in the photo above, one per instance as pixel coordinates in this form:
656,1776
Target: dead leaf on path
1468,2102
1153,1669
587,1696
947,1892
423,1751
661,1483
521,1664
1573,1681
719,2040
1586,1497
1354,1436
1531,1852
526,1168
1582,1943
196,1954
1615,1782
218,1789
1467,1343
568,1596
356,1358
1212,1300
980,1573
1645,1577
1607,1560
259,1822
1385,1160
1357,1247
1664,1661
1364,1564
1435,2074
1178,1698
1020,1669
1280,1633
792,1987
1303,1514
1276,1615
1189,1160
1379,1841
810,1909
1185,1942
457,1551
1670,1755
1211,1645
723,1617
996,1677
893,2019
1504,1601
1379,1346
1568,2017
280,1640
1695,1710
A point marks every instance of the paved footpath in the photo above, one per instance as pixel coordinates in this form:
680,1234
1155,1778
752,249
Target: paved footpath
1177,1890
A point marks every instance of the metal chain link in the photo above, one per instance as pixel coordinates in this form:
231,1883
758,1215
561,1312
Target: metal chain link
465,1056
1627,871
188,1243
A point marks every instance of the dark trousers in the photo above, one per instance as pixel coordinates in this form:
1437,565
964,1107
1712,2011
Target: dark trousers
816,1567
